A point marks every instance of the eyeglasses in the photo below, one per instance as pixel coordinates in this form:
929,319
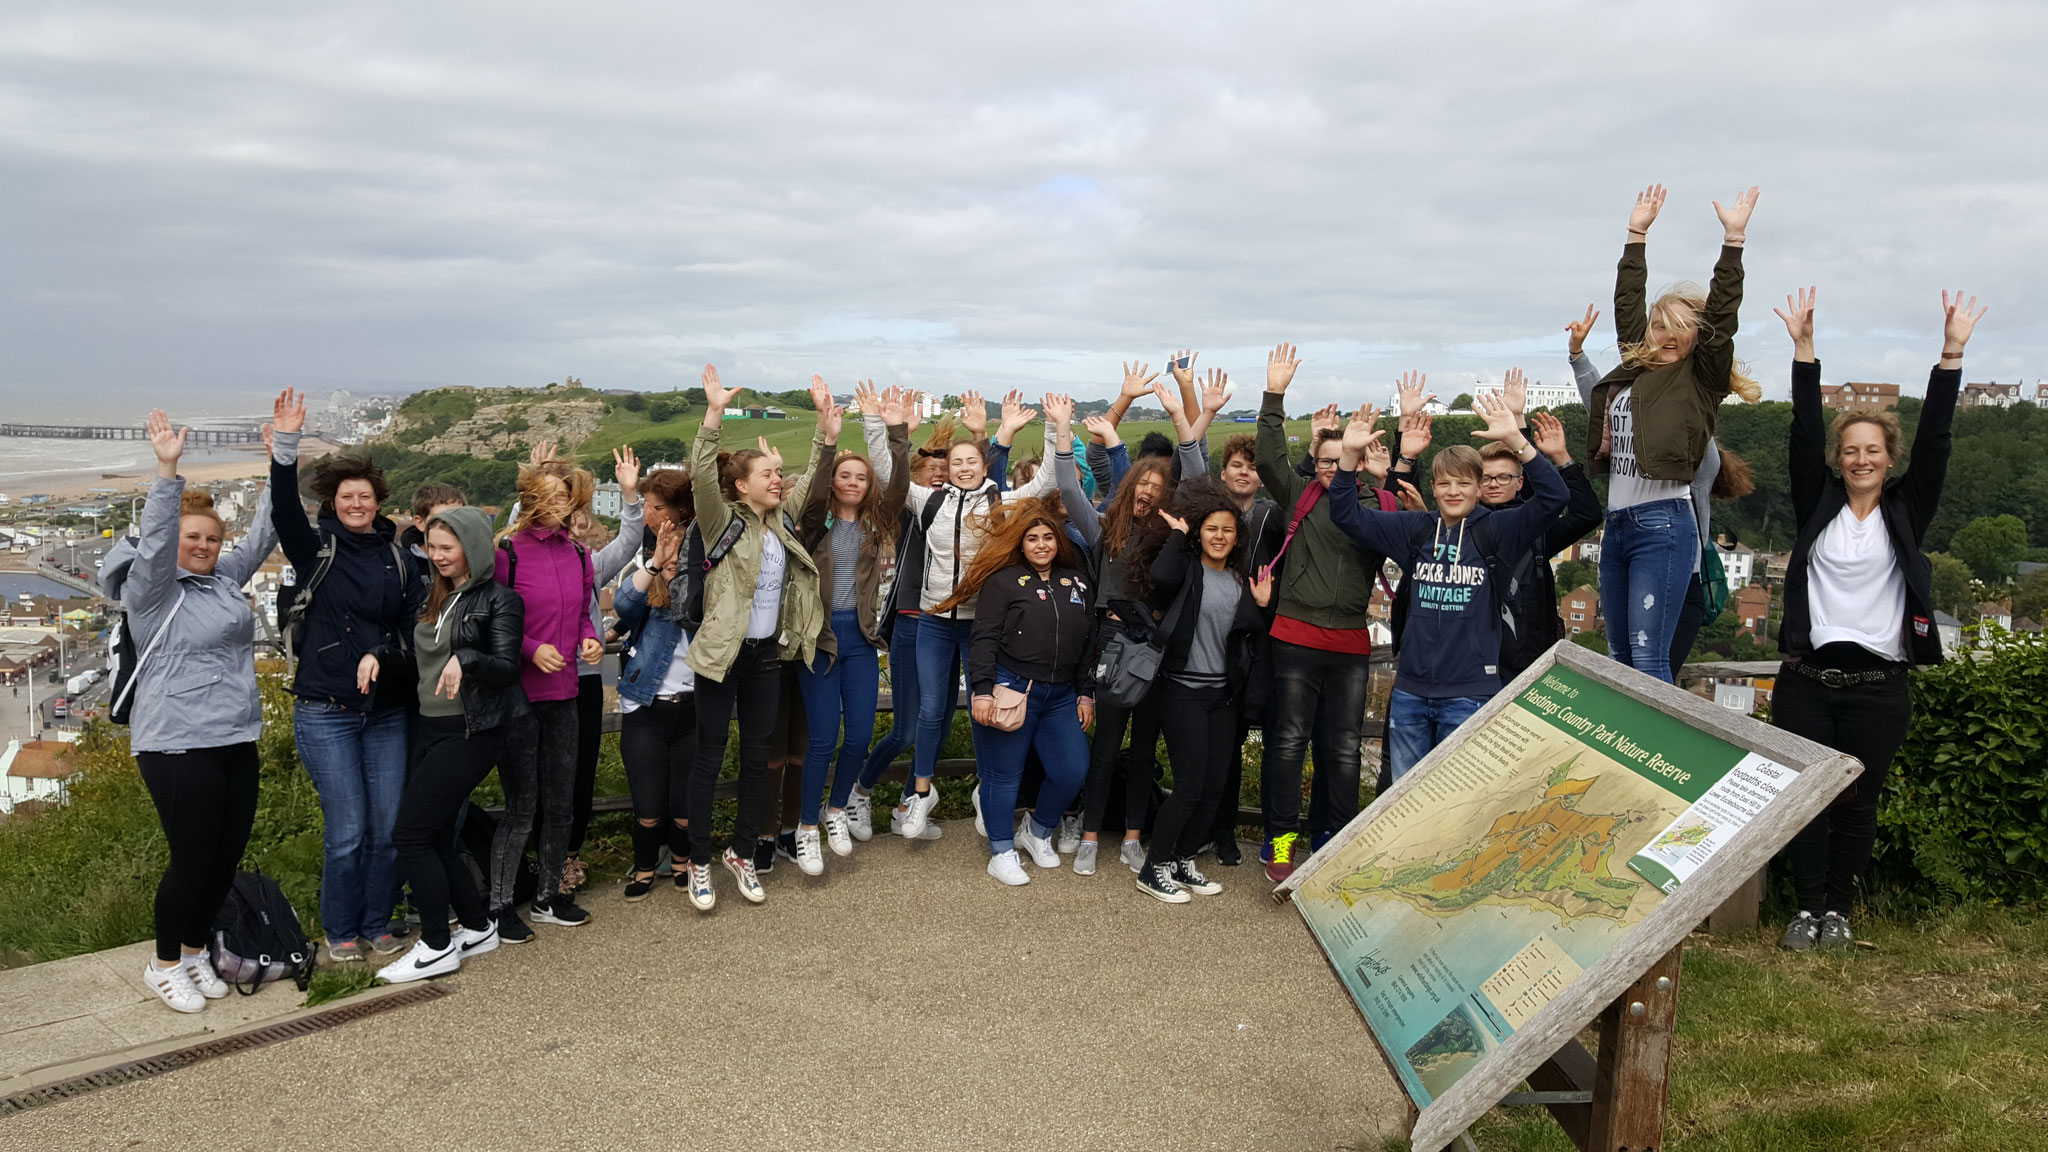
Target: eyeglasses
1327,461
1499,481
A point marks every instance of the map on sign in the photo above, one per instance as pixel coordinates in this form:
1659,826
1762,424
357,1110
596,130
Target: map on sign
1513,865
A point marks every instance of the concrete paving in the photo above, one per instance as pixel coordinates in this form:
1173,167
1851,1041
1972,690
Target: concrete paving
903,1000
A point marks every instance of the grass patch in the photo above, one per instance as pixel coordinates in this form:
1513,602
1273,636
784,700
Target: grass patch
330,984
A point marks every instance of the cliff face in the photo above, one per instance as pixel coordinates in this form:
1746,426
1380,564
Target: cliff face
482,422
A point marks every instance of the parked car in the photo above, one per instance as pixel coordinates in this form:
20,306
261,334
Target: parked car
60,709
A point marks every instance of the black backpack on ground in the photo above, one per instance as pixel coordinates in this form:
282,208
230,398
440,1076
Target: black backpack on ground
257,937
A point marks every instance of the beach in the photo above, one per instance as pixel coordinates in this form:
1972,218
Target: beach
129,469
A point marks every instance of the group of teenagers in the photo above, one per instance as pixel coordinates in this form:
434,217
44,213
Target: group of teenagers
427,657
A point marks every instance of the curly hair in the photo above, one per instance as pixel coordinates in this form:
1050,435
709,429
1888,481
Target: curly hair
1003,545
1193,501
1887,426
327,474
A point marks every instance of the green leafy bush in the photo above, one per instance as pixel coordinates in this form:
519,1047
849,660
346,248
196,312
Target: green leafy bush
1965,815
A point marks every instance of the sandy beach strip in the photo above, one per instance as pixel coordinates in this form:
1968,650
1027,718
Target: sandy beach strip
81,485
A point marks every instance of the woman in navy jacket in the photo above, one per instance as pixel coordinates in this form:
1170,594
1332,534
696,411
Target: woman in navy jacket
1859,604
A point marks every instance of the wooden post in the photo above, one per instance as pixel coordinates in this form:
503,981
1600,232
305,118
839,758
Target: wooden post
1740,912
1632,1085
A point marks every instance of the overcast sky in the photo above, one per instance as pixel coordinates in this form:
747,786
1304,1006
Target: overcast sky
201,201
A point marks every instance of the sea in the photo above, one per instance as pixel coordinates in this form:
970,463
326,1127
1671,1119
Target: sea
28,463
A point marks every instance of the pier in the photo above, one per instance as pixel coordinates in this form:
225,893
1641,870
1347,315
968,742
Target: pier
196,437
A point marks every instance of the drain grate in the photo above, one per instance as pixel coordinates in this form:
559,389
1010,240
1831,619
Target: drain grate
206,1050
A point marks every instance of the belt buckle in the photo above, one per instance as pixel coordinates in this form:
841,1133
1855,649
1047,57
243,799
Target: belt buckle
1834,678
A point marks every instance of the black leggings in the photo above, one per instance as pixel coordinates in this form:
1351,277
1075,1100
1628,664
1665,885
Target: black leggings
658,742
1139,770
753,688
1867,721
206,801
1200,723
449,767
589,742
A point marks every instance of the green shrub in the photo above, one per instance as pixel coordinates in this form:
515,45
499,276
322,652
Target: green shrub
1965,815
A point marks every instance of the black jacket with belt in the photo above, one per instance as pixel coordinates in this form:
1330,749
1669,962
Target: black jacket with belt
1038,627
1907,504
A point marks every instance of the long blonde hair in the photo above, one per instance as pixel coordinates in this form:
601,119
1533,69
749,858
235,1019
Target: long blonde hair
1678,309
577,488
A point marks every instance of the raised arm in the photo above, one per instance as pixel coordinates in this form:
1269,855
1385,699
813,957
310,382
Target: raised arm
296,534
874,429
1182,365
1713,355
1632,275
1269,449
155,570
1928,467
1215,397
612,559
1059,416
706,493
1516,530
893,473
1806,459
238,566
1582,512
1137,382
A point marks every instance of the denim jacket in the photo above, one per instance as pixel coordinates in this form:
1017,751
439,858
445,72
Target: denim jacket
656,638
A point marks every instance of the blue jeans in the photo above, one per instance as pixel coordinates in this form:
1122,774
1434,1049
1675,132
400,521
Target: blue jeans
835,689
1646,560
1417,724
903,691
357,762
1052,726
941,649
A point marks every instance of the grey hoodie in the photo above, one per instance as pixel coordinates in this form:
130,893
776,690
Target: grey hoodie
434,639
197,689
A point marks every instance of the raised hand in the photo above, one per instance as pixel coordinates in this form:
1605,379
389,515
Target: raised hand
1501,423
269,440
1281,364
1649,202
1550,438
1174,522
1515,391
1410,389
451,678
168,445
1735,217
1215,391
1170,403
1102,428
773,453
1578,330
1262,587
1183,366
1959,321
866,398
974,413
821,399
1376,460
366,672
1059,408
1798,317
1138,379
289,412
1417,430
831,418
1410,498
541,453
716,396
626,467
668,544
894,407
1328,416
1363,431
1015,415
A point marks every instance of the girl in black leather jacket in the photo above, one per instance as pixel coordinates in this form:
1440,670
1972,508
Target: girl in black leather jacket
467,642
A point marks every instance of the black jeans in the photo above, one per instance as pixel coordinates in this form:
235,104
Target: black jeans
1867,721
753,688
1692,616
206,801
1223,825
538,769
1139,769
658,742
1199,724
589,742
449,767
1317,696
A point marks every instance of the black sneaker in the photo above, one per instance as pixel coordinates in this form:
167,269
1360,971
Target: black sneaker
1156,881
1190,877
1834,932
1801,934
511,929
637,889
1228,855
764,856
561,911
785,847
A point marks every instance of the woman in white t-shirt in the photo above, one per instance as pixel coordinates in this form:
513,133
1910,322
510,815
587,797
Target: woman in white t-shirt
1859,609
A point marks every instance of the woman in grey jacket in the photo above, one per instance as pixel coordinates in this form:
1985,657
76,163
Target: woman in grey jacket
196,714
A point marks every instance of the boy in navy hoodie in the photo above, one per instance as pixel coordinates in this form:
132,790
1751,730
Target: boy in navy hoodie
1451,561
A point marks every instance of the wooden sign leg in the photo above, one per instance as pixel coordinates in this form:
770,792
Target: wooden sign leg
1632,1085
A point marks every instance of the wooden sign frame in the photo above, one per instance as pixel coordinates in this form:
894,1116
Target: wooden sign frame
1628,1085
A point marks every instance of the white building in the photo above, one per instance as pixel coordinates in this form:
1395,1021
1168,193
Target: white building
35,771
1739,563
1543,395
607,500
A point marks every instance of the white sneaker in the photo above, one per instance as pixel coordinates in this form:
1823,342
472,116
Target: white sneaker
837,834
918,812
1084,857
980,826
1006,867
743,873
810,856
1133,855
860,816
931,831
702,894
421,962
1070,835
200,968
470,943
1038,846
173,986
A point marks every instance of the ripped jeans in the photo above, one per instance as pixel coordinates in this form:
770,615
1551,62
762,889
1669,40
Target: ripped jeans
1646,562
